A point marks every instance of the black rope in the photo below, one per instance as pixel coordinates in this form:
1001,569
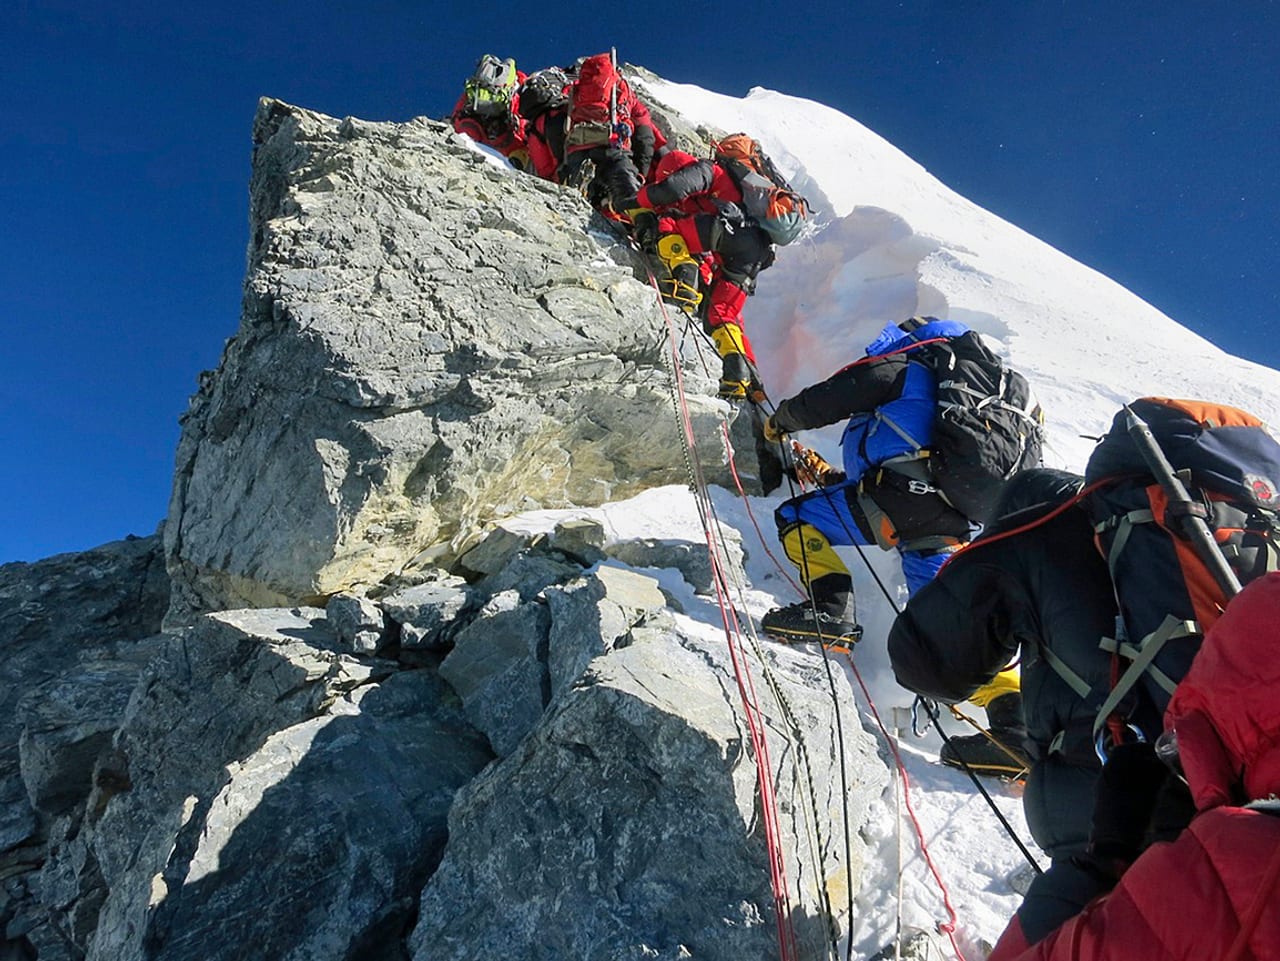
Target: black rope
932,710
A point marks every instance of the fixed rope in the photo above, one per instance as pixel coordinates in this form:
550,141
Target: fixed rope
754,715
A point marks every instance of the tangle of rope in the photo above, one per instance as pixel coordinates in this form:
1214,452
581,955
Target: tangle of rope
787,946
763,773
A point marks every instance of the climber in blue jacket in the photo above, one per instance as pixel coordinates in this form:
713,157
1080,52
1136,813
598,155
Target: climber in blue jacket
878,498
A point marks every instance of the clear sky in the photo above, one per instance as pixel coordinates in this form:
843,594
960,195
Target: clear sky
1139,138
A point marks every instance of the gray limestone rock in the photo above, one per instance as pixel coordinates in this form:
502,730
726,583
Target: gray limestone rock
428,614
69,721
266,793
626,824
495,550
358,623
692,560
582,538
498,668
52,613
426,344
594,614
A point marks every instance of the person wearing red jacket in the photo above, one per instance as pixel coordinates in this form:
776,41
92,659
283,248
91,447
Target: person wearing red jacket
1214,892
693,208
609,126
544,105
494,121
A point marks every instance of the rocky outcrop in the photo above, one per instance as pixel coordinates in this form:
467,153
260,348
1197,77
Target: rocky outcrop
473,741
427,343
260,786
625,824
69,656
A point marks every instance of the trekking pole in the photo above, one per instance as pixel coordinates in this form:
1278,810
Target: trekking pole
1181,505
613,97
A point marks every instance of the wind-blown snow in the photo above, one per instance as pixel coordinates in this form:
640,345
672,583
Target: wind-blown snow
892,242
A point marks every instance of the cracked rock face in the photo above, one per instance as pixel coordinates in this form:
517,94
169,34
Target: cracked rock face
427,343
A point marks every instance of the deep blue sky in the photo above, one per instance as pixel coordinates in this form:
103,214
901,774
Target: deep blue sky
1140,138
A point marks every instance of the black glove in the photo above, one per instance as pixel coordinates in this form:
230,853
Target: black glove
732,215
644,228
1124,801
570,172
1172,812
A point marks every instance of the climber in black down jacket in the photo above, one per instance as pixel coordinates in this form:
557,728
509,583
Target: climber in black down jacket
1020,590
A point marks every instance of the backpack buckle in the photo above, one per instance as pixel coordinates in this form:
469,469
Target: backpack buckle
1103,744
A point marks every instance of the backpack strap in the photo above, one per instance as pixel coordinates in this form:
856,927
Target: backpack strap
916,447
1145,653
1125,523
1061,668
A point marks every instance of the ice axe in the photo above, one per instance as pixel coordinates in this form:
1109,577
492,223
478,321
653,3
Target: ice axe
1188,513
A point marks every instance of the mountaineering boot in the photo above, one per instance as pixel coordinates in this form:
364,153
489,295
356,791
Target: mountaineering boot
679,286
827,615
738,378
998,751
797,623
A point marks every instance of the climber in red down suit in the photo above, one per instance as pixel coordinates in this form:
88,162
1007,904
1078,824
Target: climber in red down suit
693,208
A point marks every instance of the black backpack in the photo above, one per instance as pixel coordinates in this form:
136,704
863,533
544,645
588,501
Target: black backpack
987,426
545,90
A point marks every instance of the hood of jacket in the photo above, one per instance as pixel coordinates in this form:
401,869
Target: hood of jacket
1226,712
893,337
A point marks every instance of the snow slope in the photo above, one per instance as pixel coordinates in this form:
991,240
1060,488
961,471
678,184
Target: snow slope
891,242
898,242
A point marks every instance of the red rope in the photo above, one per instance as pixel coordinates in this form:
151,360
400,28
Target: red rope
788,948
948,927
733,470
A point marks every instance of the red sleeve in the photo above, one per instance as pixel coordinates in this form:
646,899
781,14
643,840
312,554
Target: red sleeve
459,110
1011,944
542,158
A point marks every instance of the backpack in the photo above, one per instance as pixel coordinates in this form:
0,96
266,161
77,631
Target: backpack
987,424
766,195
1165,592
545,90
488,92
599,106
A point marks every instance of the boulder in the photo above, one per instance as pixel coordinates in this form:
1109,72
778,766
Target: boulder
626,824
427,344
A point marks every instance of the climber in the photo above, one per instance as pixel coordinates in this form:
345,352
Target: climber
691,214
609,132
889,400
488,109
543,103
1033,584
1214,891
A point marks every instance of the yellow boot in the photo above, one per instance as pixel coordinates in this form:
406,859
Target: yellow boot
827,616
737,376
680,286
999,751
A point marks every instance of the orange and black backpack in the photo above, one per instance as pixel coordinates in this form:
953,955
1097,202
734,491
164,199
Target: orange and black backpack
1167,595
769,200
